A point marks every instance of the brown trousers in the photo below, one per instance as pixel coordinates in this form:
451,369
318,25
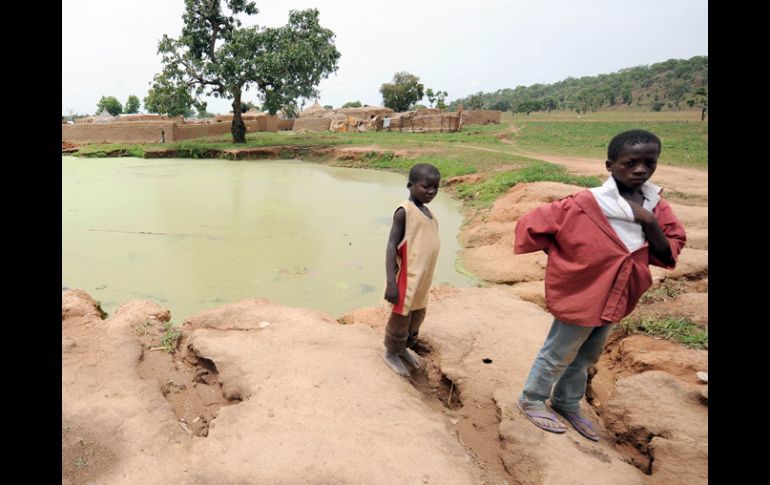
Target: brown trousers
402,331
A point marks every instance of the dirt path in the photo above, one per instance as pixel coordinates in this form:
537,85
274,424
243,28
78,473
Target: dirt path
679,179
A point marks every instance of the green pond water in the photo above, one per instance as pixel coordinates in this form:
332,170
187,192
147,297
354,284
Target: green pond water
194,234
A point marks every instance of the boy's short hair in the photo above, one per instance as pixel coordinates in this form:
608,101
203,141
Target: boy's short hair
422,170
632,137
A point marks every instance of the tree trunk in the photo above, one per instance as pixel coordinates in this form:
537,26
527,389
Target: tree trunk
238,129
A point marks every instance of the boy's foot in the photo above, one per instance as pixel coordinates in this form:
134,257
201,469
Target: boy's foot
410,358
580,423
543,419
391,358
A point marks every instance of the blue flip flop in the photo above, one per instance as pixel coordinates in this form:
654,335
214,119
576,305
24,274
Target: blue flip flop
533,414
581,424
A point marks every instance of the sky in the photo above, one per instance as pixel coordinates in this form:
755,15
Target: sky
109,47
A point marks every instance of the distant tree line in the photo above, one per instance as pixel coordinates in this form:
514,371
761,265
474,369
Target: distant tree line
674,84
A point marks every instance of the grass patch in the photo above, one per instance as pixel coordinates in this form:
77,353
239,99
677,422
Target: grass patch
153,339
684,142
135,151
393,139
101,150
683,195
667,290
486,191
169,339
449,167
682,330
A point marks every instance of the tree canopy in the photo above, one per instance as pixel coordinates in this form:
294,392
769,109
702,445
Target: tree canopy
403,92
436,98
132,105
166,98
111,104
215,56
475,101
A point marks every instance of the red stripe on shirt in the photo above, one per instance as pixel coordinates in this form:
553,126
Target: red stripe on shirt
399,306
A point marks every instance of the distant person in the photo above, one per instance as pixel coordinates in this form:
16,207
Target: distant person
600,243
162,136
410,258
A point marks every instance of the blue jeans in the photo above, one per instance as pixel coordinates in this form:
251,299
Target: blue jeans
562,364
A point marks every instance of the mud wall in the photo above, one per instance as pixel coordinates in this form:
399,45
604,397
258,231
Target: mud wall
311,124
118,132
481,117
189,132
447,122
149,131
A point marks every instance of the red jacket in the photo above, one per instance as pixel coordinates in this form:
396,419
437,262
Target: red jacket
591,279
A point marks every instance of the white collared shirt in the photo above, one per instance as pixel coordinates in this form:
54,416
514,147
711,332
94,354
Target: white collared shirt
619,213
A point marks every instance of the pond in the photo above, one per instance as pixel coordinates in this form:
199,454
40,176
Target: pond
194,234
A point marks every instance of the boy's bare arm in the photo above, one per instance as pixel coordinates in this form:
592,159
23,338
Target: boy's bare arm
659,245
391,252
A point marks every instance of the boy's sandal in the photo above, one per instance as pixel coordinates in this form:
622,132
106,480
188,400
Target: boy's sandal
535,414
581,424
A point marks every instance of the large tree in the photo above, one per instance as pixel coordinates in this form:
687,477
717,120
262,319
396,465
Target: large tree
111,104
403,92
132,105
216,56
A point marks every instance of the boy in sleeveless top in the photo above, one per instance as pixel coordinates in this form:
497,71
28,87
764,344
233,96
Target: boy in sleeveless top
410,258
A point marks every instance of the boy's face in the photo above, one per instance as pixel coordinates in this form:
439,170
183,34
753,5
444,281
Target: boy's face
424,188
635,164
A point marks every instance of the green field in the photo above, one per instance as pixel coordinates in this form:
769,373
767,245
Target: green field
684,142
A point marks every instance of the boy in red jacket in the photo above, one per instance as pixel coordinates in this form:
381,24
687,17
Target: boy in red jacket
600,243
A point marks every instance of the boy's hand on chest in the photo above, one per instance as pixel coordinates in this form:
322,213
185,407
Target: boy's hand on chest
641,214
